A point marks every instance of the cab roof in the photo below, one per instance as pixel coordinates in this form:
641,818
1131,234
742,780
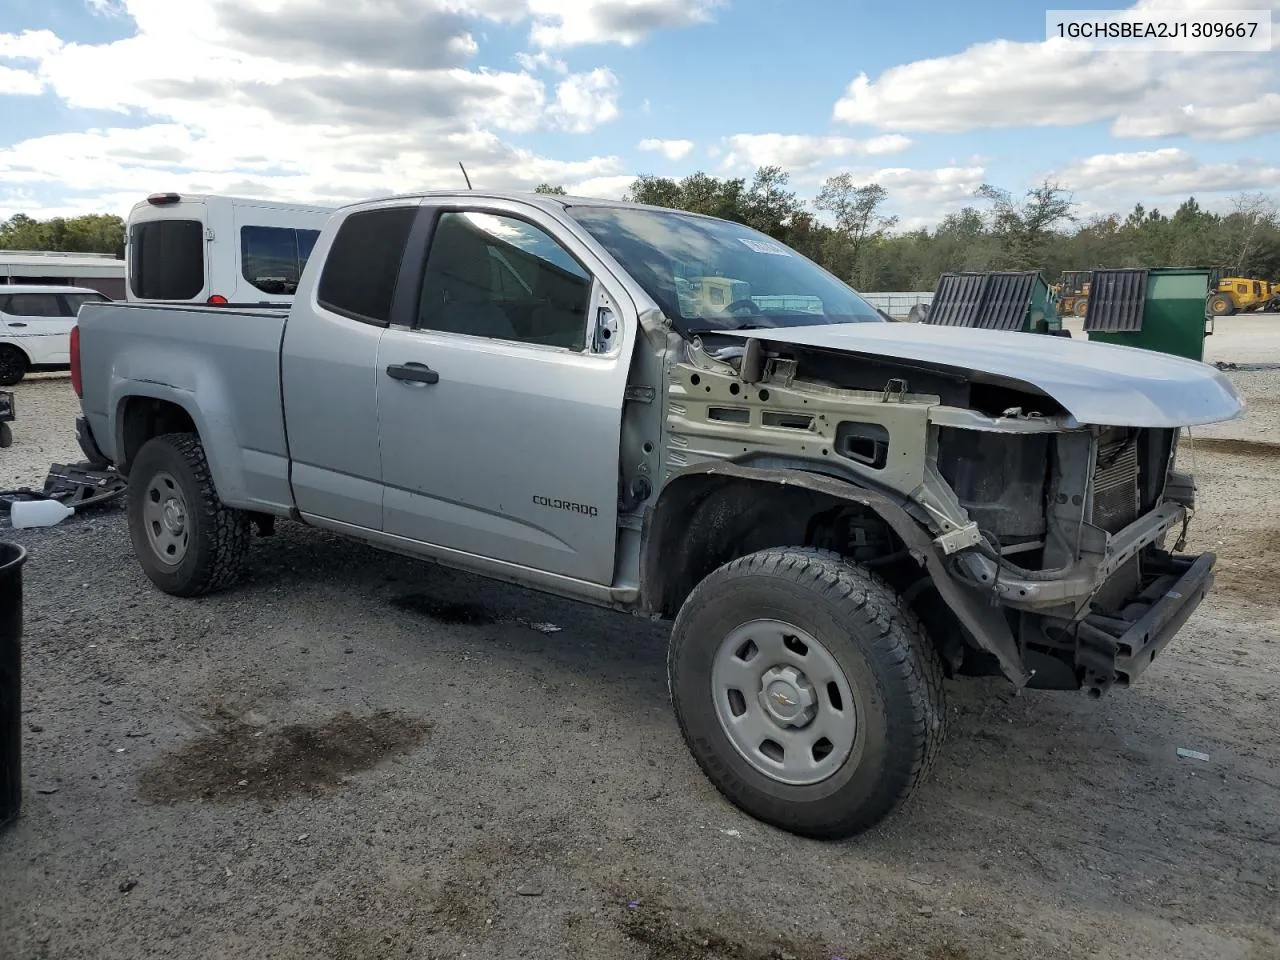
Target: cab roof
549,201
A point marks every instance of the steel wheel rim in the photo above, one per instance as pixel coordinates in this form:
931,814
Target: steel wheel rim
784,702
166,519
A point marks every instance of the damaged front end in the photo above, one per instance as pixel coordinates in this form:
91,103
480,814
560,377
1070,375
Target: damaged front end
1048,538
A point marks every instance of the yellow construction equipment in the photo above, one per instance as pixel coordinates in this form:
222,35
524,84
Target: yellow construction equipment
1072,293
1242,295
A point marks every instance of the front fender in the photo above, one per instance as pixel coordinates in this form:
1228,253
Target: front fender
985,623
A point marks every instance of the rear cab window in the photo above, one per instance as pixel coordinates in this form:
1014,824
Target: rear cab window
166,259
363,264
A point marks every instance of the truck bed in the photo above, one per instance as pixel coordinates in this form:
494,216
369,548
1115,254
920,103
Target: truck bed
220,364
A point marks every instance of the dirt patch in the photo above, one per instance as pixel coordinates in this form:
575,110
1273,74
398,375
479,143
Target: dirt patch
653,924
443,611
1248,565
241,760
1237,448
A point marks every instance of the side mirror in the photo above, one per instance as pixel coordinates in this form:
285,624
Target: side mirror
606,332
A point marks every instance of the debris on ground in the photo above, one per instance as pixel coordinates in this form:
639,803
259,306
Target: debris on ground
71,487
38,513
1192,754
547,628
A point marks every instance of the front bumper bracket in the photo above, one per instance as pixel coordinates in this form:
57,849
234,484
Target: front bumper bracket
1117,652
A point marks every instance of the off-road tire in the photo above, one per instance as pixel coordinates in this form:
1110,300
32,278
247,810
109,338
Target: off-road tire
13,365
219,535
889,662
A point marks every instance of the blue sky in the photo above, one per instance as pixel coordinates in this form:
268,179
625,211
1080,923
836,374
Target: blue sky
314,100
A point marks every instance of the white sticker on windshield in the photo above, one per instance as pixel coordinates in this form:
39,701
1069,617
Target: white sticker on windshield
763,246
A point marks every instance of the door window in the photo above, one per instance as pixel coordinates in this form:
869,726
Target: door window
74,301
501,277
34,305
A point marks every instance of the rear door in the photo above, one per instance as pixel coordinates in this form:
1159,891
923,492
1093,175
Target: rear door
499,405
167,254
328,367
40,324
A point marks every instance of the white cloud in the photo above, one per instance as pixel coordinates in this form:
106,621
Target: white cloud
542,60
105,8
606,188
798,152
1226,121
337,108
1171,172
911,186
586,100
28,45
19,82
671,149
1054,83
567,23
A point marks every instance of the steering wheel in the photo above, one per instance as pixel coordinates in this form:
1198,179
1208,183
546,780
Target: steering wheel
744,302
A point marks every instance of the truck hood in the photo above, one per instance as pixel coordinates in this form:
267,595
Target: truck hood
1097,383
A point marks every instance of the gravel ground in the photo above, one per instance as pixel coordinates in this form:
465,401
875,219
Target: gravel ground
44,430
352,755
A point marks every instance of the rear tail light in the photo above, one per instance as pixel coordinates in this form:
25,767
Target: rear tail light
217,298
75,362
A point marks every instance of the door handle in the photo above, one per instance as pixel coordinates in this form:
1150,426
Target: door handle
413,372
14,324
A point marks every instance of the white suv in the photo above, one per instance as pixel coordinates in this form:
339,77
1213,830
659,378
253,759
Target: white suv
35,327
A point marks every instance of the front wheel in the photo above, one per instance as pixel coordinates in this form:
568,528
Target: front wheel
806,691
187,542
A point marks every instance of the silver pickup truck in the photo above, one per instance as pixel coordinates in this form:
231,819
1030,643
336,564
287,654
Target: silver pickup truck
677,416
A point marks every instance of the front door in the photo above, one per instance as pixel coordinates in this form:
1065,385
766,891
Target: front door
499,417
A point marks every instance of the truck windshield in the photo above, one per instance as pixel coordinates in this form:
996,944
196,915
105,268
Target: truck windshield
710,275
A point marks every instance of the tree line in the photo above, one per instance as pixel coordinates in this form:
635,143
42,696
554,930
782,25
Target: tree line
848,230
94,233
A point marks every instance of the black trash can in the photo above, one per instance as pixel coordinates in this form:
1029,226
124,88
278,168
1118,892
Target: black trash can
12,557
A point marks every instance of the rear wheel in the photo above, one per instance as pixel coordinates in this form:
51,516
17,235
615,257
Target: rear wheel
1080,307
1221,306
807,693
187,542
13,365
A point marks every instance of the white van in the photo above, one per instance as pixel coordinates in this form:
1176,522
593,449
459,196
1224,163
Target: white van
35,327
202,248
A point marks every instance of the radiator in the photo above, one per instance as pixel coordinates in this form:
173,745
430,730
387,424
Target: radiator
1116,500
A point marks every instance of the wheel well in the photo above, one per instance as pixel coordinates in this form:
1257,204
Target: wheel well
145,417
26,357
704,521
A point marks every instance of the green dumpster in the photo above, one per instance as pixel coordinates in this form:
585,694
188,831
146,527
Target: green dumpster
1008,300
1161,310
